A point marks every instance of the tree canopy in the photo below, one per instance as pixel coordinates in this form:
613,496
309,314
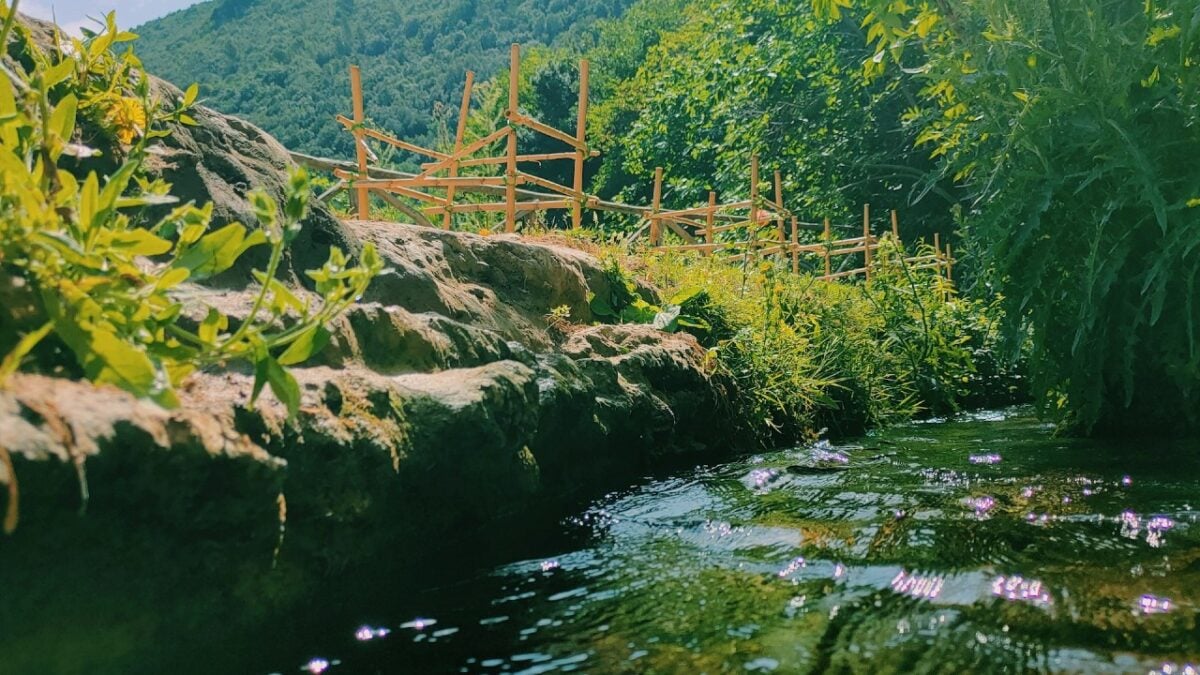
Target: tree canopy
283,64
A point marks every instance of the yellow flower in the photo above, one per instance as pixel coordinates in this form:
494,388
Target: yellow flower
128,118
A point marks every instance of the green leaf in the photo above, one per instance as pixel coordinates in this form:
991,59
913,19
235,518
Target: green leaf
218,251
284,385
602,308
57,73
212,326
140,242
310,342
189,96
117,362
62,120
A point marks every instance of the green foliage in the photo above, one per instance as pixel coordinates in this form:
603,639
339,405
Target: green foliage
624,304
89,292
283,64
1072,125
808,353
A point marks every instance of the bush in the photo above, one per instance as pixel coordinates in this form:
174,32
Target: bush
808,354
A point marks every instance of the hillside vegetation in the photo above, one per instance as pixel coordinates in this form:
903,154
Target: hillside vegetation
282,64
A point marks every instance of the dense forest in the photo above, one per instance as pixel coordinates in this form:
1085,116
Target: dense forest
282,64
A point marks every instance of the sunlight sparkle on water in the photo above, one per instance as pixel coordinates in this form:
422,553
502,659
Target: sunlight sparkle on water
1176,669
989,458
918,586
418,624
1153,604
981,505
1020,589
365,633
793,567
318,665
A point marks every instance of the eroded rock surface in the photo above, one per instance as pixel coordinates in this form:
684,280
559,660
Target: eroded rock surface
443,401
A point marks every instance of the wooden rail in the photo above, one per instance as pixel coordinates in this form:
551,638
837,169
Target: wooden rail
755,227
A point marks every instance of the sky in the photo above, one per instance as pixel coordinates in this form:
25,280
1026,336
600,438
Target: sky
73,14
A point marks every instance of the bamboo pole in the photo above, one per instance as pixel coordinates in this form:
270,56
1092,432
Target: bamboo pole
779,204
655,231
795,245
393,141
461,131
360,149
754,205
895,226
828,242
937,250
514,82
710,216
867,238
581,136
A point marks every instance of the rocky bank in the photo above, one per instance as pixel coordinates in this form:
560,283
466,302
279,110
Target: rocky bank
446,408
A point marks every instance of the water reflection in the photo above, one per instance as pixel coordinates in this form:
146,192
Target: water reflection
846,558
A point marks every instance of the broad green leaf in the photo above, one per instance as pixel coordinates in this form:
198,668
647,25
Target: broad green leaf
218,251
117,362
62,120
57,73
140,242
309,343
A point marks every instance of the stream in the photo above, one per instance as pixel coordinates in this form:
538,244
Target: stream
978,544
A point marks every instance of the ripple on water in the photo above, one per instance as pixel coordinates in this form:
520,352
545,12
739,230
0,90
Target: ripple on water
926,559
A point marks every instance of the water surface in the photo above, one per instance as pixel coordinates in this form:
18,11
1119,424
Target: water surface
980,544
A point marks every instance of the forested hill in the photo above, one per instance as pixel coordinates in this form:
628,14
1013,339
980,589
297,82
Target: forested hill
282,64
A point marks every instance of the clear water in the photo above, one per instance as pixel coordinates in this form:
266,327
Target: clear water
980,544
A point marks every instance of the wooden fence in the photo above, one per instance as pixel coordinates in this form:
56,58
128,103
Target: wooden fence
748,229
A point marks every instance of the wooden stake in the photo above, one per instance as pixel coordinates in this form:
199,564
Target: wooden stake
710,216
949,264
867,238
510,196
895,227
360,149
779,205
581,136
937,251
795,245
754,206
828,243
655,233
461,131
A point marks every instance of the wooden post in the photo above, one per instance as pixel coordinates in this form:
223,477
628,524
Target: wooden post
754,206
828,243
937,252
895,227
459,133
510,195
949,264
867,239
655,233
779,205
795,245
710,217
360,150
580,153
